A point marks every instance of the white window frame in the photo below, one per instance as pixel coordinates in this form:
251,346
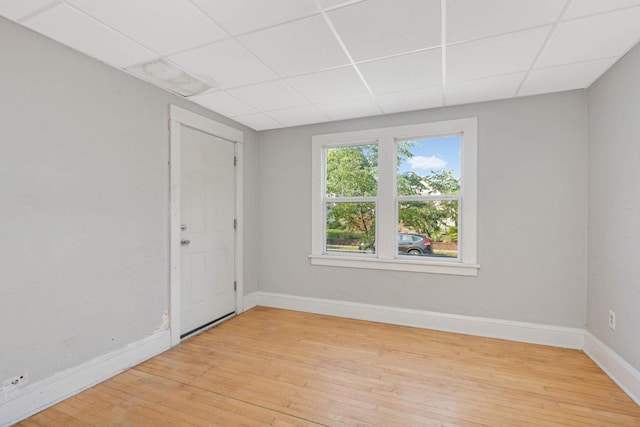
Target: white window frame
351,199
386,257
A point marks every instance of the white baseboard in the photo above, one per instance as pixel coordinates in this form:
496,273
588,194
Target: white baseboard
618,369
556,336
38,396
250,301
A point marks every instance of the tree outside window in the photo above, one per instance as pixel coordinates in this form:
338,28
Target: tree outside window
427,193
399,198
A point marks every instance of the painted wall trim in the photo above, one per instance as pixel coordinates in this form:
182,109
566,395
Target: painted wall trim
618,369
38,396
556,336
250,301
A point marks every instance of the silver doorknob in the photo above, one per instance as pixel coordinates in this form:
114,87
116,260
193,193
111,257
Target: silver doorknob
185,242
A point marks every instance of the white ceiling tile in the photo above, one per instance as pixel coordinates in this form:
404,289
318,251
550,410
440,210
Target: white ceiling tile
297,47
329,85
242,16
275,95
377,28
590,7
565,77
223,103
258,121
395,44
350,108
594,37
298,116
473,19
330,4
483,89
403,72
165,26
493,56
416,99
80,32
16,9
224,64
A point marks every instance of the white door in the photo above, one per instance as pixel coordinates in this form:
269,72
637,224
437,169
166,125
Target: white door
208,234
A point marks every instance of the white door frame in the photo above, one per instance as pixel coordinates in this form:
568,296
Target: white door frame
177,118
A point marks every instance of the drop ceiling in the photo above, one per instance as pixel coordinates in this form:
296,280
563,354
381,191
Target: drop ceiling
278,63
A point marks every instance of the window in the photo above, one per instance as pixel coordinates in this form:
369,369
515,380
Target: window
351,187
400,198
428,178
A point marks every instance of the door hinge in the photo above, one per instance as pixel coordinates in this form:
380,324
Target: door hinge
235,285
235,224
235,161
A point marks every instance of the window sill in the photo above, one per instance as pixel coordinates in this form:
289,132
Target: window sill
457,269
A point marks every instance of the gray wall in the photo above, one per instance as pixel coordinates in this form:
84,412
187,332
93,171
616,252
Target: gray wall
532,198
84,202
614,207
84,210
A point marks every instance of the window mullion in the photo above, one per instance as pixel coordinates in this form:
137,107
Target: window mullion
350,199
386,227
386,200
437,197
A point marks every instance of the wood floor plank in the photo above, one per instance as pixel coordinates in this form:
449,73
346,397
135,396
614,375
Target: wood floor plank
286,368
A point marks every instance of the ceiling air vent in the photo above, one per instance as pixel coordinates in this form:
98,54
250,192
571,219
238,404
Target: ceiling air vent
170,77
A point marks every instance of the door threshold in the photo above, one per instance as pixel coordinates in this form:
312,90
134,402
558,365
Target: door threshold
207,326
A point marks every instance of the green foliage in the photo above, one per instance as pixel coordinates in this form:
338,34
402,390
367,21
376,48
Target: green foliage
443,182
333,234
352,171
452,235
433,217
411,184
404,150
355,217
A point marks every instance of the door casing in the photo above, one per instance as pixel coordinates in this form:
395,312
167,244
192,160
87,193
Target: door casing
179,117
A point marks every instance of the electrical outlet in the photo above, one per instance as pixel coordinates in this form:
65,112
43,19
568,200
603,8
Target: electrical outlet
17,381
612,319
10,385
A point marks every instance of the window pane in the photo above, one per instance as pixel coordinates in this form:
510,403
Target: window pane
352,171
428,228
429,166
351,227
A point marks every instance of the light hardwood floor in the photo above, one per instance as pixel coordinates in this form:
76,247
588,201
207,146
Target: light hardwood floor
285,368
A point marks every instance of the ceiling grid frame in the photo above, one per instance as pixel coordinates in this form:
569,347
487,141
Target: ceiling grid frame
566,7
499,18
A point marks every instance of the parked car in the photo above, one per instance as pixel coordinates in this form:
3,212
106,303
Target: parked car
414,244
408,243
